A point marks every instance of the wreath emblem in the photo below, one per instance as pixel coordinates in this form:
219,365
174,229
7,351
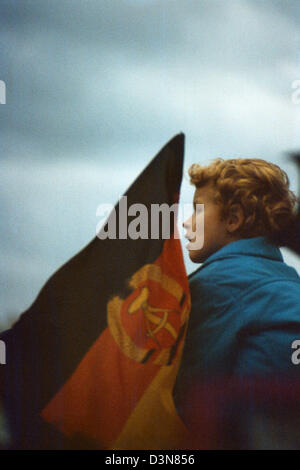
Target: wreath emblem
150,323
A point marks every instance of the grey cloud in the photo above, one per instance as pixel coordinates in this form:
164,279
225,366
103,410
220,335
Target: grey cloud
58,48
103,84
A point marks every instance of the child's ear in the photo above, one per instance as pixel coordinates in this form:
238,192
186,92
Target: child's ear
235,218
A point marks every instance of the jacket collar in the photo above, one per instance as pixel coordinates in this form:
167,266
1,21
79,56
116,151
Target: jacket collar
258,246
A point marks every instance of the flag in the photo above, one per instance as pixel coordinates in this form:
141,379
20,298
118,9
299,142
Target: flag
94,359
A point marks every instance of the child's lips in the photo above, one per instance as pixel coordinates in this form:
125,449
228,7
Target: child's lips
190,241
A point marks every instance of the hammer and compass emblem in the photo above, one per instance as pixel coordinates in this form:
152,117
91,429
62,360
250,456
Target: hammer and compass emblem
151,316
163,324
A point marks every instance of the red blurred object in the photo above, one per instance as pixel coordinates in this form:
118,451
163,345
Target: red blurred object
253,413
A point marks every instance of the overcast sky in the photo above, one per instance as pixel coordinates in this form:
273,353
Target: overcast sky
94,88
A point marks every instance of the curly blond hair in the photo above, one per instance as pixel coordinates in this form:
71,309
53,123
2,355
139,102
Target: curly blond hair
259,187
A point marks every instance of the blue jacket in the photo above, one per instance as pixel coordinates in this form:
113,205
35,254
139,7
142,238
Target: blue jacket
245,314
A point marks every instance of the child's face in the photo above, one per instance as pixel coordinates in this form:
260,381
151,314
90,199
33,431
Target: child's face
214,234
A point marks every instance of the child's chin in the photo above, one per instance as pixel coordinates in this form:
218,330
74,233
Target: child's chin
195,256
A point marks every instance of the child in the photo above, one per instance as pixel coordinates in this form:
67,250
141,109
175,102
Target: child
245,300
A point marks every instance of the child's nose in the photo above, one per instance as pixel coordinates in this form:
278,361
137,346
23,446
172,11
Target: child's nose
186,223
